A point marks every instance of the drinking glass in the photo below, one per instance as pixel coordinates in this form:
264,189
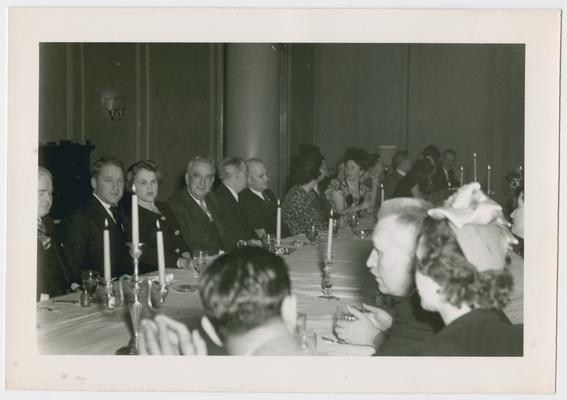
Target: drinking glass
312,232
352,220
90,280
301,323
336,225
199,261
268,242
307,342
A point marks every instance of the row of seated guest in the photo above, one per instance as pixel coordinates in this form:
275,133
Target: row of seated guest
192,219
461,278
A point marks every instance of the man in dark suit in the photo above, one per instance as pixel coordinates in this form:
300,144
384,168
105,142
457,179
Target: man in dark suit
444,177
259,204
83,243
400,167
196,209
232,172
52,271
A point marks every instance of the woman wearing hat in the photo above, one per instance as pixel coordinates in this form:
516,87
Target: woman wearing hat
462,273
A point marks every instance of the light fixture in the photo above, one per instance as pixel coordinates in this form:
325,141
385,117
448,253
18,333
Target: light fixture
115,106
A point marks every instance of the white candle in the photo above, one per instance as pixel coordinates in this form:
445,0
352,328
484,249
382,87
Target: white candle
488,183
381,194
160,254
462,175
279,225
330,237
106,242
135,230
474,167
521,170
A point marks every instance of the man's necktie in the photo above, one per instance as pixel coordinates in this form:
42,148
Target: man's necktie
43,235
206,210
118,217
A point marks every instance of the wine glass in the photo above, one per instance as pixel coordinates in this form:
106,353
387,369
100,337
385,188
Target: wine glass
301,323
90,280
199,261
307,342
352,220
312,232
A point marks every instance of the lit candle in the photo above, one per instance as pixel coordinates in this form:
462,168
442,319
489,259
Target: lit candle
160,254
135,230
520,171
488,180
279,225
381,194
462,175
106,242
474,167
330,237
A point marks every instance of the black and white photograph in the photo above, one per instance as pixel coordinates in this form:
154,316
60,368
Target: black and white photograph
346,200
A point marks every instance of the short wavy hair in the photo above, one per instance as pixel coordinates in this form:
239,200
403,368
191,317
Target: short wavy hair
148,165
443,260
103,162
244,289
360,156
306,168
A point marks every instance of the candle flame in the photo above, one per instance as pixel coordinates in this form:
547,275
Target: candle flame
489,167
331,213
278,202
157,224
134,188
106,222
474,154
462,168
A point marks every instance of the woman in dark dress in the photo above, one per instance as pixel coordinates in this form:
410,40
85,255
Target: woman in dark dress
51,266
145,176
463,274
418,182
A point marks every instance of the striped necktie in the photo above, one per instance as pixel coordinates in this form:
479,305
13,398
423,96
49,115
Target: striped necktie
203,206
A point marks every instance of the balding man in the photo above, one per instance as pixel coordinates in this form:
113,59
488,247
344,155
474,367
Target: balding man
232,173
195,208
259,203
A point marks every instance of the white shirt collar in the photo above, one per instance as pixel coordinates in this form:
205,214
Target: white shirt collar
402,173
106,206
196,199
257,193
234,194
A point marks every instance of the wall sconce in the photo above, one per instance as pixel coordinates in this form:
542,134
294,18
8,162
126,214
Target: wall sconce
115,107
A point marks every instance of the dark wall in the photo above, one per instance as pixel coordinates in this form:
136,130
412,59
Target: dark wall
167,90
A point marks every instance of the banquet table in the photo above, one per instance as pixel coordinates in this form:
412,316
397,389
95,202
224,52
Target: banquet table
64,327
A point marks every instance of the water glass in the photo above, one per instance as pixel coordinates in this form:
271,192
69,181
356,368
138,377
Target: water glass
312,233
301,323
90,280
199,261
352,220
307,342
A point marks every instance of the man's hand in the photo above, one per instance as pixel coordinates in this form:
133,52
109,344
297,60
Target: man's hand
364,329
166,336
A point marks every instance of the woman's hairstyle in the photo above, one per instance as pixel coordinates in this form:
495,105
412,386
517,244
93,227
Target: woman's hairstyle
423,167
374,159
305,168
442,260
432,151
244,289
359,155
148,165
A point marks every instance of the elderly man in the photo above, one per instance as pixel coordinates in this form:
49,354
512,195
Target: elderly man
83,244
392,264
259,204
445,175
51,264
249,310
196,210
400,167
232,173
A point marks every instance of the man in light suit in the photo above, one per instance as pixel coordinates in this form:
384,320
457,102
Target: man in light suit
83,241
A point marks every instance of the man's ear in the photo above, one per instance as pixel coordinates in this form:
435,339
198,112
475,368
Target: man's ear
187,178
289,312
211,331
93,182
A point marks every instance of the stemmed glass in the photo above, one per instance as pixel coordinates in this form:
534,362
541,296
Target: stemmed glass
326,283
90,280
199,261
312,232
352,220
307,342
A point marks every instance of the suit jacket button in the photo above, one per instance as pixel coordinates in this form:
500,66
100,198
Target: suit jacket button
163,217
177,251
176,233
